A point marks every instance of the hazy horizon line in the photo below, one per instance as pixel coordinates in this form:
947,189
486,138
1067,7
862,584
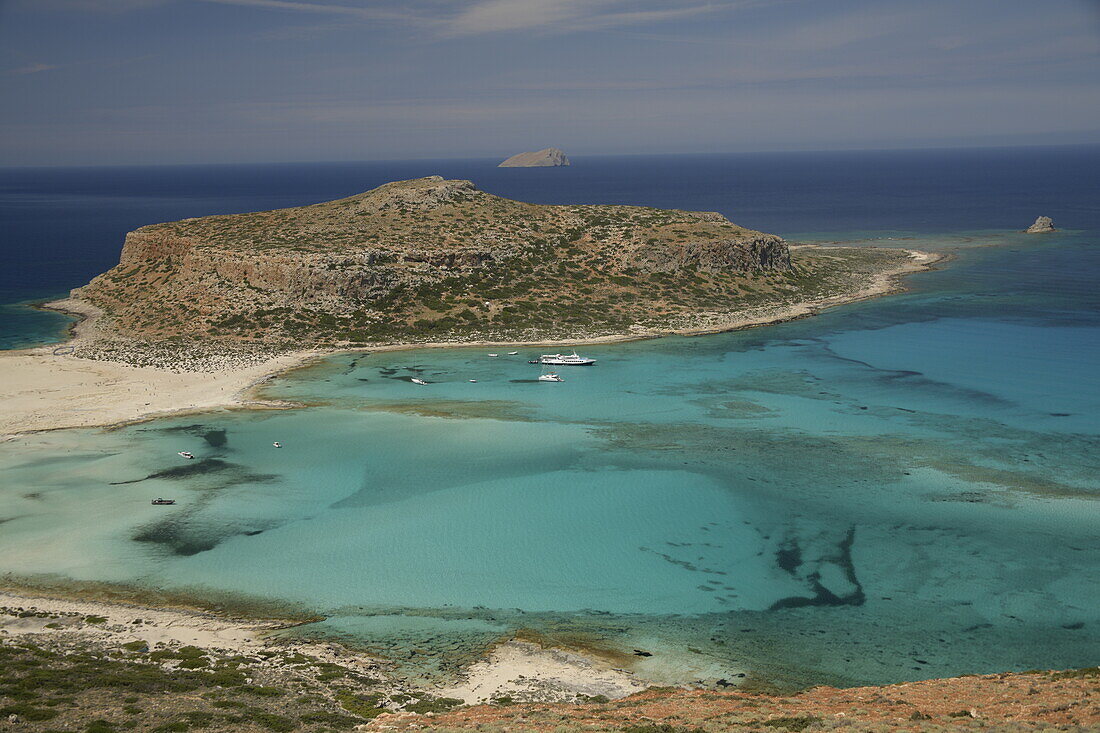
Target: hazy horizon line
572,156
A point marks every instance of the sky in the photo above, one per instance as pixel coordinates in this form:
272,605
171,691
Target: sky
101,82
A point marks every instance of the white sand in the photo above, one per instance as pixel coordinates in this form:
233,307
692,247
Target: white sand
528,672
156,625
40,391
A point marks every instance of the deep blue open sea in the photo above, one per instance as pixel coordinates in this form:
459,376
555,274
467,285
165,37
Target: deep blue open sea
897,489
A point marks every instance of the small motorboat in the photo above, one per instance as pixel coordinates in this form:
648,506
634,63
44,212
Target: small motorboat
277,444
163,502
533,361
494,354
473,380
512,353
550,377
186,454
417,380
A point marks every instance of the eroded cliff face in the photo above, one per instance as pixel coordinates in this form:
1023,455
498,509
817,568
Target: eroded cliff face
422,254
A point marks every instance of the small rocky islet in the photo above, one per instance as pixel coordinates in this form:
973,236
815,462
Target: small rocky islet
545,158
1042,225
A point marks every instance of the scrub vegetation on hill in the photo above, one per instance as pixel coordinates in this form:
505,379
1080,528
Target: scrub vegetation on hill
431,259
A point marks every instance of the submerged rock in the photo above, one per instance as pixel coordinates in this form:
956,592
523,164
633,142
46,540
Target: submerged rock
1042,224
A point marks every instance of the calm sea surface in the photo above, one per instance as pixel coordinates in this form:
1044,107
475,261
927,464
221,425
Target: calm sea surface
898,489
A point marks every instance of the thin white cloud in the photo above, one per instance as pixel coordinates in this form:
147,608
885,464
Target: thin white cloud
609,20
34,68
492,16
88,6
471,18
352,11
489,16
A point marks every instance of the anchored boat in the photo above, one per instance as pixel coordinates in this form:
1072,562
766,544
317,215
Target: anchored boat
566,359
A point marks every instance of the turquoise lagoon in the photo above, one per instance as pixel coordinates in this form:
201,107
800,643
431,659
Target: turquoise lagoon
898,489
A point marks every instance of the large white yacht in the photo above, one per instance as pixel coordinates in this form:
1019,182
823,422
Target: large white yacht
566,359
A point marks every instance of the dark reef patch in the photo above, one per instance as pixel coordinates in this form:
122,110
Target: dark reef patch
214,437
178,538
229,474
683,563
185,538
789,556
822,596
189,469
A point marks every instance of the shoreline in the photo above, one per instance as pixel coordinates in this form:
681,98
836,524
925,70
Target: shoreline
45,391
517,685
512,667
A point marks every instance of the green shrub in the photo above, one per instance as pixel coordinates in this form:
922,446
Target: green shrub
430,704
99,726
791,723
365,706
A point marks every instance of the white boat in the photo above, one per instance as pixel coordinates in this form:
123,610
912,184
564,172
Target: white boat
550,377
512,353
494,354
418,381
566,359
277,444
473,380
187,454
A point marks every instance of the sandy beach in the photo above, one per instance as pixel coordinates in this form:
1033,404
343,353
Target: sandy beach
54,387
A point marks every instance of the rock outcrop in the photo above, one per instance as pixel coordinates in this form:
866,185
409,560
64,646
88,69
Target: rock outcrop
1041,225
427,255
545,158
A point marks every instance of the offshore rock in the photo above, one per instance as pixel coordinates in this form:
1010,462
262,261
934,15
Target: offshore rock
1041,225
545,158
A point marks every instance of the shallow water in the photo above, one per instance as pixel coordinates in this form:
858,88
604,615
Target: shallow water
897,489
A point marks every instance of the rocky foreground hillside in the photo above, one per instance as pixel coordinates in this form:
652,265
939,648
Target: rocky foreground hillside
69,672
1007,703
435,259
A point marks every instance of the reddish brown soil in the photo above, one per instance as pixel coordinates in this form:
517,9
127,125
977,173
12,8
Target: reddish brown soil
1062,700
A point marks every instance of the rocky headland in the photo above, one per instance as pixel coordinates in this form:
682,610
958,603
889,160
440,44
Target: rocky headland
545,158
431,258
